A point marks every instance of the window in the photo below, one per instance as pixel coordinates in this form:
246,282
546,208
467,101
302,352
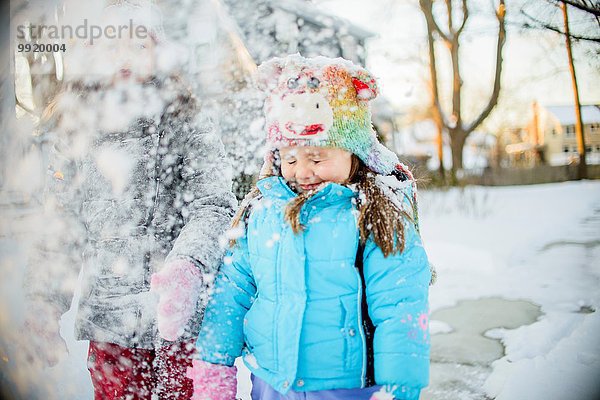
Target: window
569,130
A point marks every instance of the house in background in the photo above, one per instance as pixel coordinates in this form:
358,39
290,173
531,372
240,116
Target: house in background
553,128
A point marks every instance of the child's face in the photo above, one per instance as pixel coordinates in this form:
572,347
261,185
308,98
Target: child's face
133,57
305,168
122,59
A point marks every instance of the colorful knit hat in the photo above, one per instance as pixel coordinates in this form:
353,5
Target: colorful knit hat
322,102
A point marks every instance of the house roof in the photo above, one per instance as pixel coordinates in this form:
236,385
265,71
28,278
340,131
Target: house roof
566,114
311,13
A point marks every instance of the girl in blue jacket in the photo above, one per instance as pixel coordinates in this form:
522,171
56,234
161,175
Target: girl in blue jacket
324,289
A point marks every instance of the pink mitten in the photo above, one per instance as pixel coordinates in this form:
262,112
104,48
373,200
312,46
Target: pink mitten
179,285
212,381
382,394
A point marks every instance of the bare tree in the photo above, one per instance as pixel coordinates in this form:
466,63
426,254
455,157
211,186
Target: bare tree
454,123
546,19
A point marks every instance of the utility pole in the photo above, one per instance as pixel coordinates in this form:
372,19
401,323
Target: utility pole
578,122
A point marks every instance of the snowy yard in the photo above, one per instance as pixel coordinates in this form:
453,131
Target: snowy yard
536,244
514,311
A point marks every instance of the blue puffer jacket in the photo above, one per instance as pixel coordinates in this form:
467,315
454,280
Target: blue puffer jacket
291,303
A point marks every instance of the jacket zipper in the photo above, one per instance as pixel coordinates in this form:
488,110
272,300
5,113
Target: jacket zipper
366,327
363,377
359,253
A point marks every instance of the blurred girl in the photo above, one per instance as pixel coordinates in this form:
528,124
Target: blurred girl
136,186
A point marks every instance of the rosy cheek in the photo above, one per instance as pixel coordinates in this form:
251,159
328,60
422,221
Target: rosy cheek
287,171
331,175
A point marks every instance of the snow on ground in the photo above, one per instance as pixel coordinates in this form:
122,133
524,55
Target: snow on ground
536,244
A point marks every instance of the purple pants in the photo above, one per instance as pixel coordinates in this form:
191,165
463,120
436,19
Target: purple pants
263,391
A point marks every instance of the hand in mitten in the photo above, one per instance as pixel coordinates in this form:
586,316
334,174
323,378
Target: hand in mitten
389,392
212,381
44,346
179,285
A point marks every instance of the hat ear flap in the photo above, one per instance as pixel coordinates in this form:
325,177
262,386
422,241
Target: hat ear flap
365,85
268,73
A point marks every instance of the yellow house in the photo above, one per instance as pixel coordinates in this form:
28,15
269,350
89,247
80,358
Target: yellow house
553,127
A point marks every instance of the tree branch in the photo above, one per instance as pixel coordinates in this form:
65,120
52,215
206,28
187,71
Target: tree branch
465,10
593,9
501,16
427,8
545,25
437,108
451,32
456,119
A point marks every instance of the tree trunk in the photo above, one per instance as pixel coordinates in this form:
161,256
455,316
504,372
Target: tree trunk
582,169
439,142
459,137
438,118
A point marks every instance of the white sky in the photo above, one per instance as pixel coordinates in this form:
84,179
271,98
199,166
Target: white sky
535,62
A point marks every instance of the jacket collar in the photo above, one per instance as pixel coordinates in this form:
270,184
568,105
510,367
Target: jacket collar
276,187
